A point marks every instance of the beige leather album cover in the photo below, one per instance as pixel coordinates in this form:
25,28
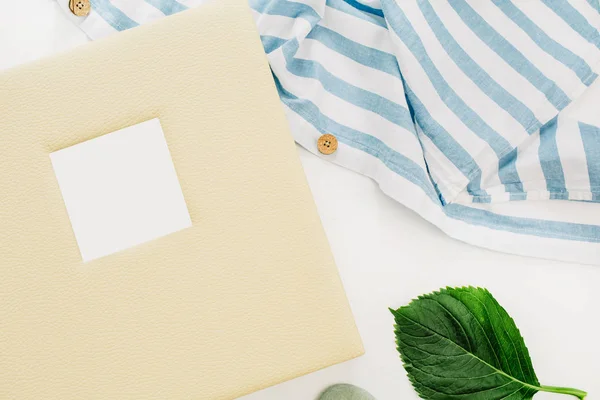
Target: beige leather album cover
240,294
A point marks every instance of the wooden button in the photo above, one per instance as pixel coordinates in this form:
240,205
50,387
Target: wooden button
81,8
327,144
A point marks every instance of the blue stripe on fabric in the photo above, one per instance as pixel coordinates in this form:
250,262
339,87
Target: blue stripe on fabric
590,136
482,199
114,16
527,226
510,54
576,21
362,54
509,176
478,75
457,155
550,160
595,4
365,8
271,43
168,7
395,161
405,31
393,112
286,9
341,5
518,196
546,43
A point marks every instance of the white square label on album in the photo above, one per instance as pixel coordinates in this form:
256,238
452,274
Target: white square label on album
120,189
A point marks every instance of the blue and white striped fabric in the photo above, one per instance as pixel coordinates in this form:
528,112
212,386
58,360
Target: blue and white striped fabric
454,107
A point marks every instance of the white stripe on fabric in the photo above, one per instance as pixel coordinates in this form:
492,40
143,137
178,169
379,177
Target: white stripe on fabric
361,53
346,113
529,168
357,30
138,10
558,210
494,65
559,30
349,70
495,116
573,159
565,78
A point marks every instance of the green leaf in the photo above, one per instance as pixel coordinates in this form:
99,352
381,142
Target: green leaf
344,391
459,343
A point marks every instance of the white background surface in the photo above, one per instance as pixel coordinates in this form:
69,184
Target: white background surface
387,255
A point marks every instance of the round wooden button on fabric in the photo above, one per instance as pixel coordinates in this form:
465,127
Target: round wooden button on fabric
81,8
327,144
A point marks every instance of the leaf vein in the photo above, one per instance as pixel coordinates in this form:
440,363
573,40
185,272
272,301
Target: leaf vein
455,319
468,393
475,356
450,377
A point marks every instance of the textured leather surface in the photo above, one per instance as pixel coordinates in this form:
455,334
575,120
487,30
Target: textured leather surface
246,298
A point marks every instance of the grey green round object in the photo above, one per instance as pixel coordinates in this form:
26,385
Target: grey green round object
344,391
